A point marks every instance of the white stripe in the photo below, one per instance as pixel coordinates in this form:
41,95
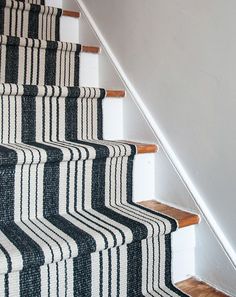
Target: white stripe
95,275
123,270
44,280
14,284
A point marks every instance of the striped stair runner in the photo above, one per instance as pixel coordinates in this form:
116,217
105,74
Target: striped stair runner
68,226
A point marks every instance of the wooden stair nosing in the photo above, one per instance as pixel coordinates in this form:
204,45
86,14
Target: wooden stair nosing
115,93
72,14
184,218
143,148
90,49
196,288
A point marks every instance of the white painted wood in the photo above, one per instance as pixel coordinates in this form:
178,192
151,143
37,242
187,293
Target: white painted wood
183,253
54,3
113,118
144,177
89,64
69,29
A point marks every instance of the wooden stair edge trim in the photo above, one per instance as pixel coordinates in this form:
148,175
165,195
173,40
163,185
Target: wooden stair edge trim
142,148
72,14
145,148
115,93
90,49
195,288
183,217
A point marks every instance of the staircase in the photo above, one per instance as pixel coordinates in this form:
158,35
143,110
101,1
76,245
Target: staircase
69,225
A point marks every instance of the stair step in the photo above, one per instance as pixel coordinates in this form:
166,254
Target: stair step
184,218
72,14
196,288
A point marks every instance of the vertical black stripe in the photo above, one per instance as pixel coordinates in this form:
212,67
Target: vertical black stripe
57,281
71,121
57,21
30,282
110,270
99,119
6,283
134,273
33,27
82,275
29,114
118,271
51,189
7,185
2,16
49,281
50,63
77,66
100,274
12,60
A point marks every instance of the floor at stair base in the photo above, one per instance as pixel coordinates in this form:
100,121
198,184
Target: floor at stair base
38,62
134,270
27,20
44,113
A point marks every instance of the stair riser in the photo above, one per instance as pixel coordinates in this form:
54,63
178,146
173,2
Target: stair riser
144,177
37,190
22,20
183,253
29,61
89,69
69,29
30,118
113,119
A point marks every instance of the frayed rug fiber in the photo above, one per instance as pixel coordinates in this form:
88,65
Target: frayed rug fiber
68,223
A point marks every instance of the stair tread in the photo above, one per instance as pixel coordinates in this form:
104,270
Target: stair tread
184,218
29,90
58,151
196,288
78,232
44,44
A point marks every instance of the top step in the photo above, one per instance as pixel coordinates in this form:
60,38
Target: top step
24,19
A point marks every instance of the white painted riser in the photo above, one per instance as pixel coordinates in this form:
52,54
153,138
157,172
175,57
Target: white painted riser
183,240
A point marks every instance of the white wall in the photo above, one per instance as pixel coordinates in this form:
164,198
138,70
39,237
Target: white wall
180,57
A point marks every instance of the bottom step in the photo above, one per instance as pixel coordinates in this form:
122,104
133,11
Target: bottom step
197,288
